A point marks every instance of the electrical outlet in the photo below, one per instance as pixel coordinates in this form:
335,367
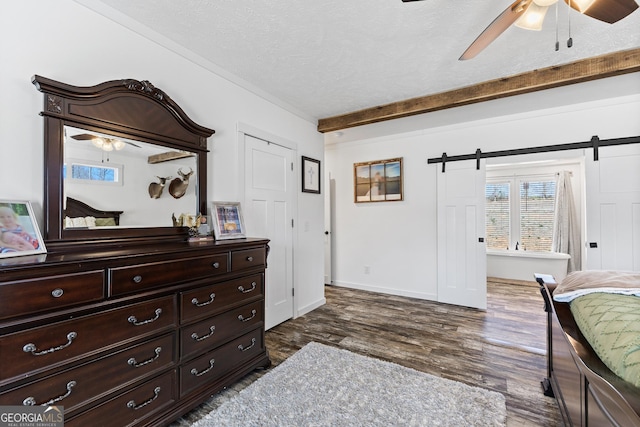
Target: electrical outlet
367,269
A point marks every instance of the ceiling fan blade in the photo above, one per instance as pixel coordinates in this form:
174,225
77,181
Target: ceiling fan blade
131,143
84,137
609,11
407,1
497,27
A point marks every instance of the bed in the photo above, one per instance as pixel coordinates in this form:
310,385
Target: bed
593,340
80,215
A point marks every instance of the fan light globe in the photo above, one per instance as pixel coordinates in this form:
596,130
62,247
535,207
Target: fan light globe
533,17
545,3
583,5
98,142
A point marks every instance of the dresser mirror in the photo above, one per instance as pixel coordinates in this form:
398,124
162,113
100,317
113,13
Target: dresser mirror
148,183
122,160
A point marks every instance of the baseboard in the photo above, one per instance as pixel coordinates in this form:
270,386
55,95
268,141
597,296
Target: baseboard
388,291
310,307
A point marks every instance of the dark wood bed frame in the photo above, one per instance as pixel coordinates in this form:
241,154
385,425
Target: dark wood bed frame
588,393
75,208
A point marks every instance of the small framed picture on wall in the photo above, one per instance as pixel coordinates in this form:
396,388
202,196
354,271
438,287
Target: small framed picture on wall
310,175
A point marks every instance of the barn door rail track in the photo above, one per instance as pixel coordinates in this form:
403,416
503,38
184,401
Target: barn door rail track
594,143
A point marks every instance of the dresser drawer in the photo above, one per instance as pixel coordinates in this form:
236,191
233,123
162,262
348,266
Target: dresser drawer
51,293
247,258
124,280
211,366
216,330
81,385
38,349
133,406
215,298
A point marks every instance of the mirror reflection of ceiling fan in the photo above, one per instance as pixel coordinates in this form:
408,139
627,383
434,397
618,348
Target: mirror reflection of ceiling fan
105,144
529,14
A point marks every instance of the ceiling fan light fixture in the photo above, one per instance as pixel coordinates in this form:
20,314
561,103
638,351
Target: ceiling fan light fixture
532,18
98,142
545,2
117,144
583,5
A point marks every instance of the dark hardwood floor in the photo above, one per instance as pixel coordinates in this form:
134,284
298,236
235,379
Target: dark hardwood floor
501,349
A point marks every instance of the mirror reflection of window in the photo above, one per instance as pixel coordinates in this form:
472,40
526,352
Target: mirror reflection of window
89,172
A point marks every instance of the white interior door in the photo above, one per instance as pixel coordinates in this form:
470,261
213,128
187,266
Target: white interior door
613,208
462,257
328,203
269,192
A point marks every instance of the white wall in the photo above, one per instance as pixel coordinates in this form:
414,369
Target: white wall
66,41
398,239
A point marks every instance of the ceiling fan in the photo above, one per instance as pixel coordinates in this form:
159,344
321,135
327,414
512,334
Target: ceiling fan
529,14
104,143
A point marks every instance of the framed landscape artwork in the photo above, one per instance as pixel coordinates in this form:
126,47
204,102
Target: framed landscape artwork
19,233
227,220
378,181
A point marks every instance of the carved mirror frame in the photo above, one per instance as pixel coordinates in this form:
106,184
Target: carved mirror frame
124,108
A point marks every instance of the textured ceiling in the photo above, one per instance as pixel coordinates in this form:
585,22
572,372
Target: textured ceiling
322,58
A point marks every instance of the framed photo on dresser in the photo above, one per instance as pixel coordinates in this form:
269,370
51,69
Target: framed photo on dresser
19,233
227,220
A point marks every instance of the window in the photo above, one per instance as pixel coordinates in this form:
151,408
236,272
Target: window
520,210
89,172
498,222
537,204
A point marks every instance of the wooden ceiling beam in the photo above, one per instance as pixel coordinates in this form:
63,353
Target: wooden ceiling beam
598,67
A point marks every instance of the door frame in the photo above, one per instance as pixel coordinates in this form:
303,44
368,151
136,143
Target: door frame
242,130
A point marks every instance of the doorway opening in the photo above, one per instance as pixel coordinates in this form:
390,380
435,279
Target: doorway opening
520,211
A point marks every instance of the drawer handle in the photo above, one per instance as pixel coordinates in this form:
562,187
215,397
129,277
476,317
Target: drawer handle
195,372
242,318
31,348
216,265
132,404
246,291
204,337
250,258
195,301
137,278
134,320
242,348
132,361
57,293
31,401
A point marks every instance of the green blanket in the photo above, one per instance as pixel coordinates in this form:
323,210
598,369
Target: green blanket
611,324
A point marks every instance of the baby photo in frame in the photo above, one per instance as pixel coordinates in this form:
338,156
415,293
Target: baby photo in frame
19,233
227,220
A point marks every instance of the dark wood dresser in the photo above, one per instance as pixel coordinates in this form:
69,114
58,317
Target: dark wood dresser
131,336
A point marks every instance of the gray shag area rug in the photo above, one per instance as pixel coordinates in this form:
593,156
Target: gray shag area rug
325,386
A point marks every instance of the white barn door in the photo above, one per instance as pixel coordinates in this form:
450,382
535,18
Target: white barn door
462,258
269,192
613,208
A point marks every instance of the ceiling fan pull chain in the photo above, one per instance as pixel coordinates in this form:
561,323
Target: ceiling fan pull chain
570,39
557,39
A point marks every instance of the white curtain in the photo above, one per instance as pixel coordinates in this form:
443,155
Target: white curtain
566,229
